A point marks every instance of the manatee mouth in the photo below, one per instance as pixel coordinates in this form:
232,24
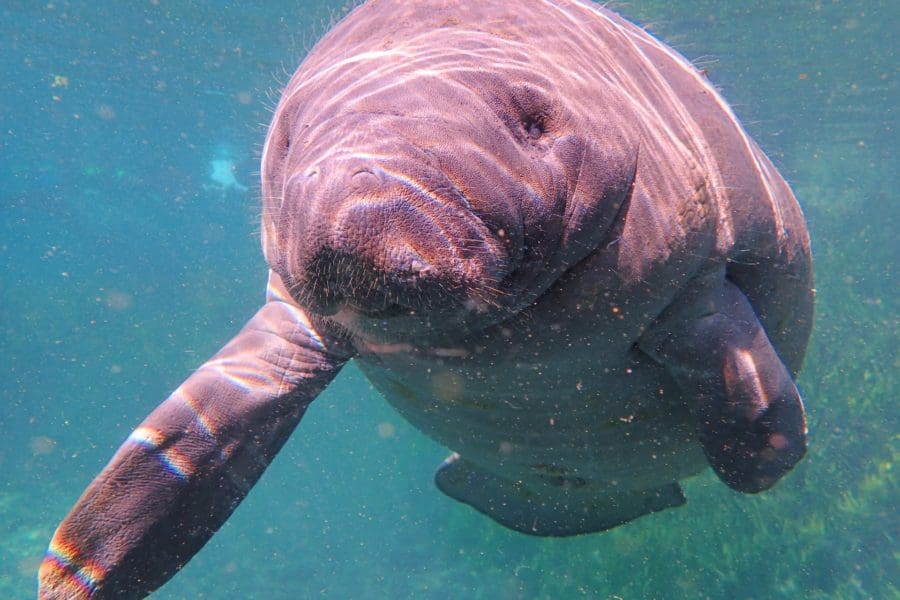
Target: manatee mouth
384,287
392,310
391,283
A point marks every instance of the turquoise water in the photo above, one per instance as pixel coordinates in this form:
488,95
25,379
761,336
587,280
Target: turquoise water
127,257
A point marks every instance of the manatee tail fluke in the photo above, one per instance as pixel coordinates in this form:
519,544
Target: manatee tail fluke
548,512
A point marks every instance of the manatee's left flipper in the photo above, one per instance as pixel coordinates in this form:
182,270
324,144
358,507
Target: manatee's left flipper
183,471
751,420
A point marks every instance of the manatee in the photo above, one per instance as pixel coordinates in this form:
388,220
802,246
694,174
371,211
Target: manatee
545,239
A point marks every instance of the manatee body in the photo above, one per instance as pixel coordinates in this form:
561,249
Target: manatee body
547,241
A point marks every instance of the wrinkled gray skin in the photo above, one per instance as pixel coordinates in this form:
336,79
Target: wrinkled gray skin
544,238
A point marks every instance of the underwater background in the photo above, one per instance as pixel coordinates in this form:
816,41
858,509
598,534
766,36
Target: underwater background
129,253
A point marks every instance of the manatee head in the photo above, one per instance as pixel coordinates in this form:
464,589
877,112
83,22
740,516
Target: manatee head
408,201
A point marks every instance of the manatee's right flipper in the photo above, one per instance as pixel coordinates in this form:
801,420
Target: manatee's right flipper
751,420
183,471
551,510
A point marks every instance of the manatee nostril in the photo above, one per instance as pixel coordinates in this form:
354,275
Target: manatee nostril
364,179
421,268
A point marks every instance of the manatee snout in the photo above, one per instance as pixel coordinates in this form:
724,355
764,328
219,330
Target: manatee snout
376,242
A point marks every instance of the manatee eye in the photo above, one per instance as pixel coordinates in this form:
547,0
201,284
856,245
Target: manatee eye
276,152
285,128
533,125
278,145
283,141
535,111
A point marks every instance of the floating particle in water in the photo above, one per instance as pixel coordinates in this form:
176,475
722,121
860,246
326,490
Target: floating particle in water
105,112
221,172
42,445
386,430
118,300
